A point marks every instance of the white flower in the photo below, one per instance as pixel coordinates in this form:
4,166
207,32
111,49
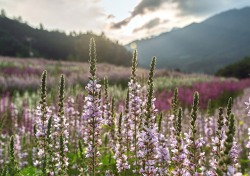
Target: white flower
248,103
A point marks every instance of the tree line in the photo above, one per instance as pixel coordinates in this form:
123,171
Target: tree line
18,39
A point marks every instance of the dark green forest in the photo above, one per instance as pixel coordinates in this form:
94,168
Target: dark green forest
18,39
239,69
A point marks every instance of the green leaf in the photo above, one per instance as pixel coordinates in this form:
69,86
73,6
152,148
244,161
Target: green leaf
31,171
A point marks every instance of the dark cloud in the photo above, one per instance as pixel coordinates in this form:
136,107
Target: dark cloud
194,7
200,7
121,23
143,7
111,16
186,7
147,5
149,25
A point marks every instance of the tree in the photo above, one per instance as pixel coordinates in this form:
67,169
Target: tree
3,13
41,26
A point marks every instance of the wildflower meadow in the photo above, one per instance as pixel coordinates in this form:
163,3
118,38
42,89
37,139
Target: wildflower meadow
138,131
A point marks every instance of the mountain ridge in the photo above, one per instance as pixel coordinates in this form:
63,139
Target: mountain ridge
219,40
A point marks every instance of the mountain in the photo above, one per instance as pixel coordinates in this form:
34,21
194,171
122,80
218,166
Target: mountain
200,47
21,40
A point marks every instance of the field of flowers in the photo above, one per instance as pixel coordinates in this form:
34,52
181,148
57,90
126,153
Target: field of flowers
148,127
24,74
20,81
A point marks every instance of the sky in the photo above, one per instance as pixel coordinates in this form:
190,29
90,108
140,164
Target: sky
120,20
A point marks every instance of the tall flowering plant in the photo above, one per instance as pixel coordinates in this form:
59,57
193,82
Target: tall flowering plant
92,115
12,167
40,129
60,136
179,158
194,142
148,138
134,112
124,142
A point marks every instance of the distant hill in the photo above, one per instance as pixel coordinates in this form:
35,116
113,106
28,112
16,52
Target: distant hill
240,69
18,39
200,47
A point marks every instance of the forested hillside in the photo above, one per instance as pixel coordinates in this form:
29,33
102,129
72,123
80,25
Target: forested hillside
18,39
240,69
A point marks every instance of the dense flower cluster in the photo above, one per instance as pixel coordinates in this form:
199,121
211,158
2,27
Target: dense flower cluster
121,148
92,114
41,133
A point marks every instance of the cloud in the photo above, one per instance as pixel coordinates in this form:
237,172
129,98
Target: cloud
77,15
143,7
121,23
207,7
200,7
110,16
186,7
149,25
146,6
183,8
